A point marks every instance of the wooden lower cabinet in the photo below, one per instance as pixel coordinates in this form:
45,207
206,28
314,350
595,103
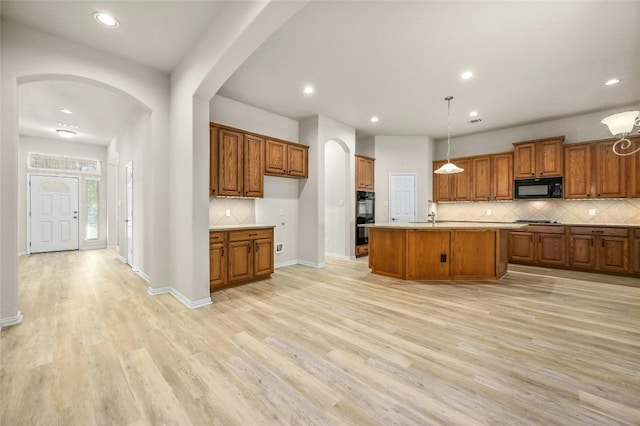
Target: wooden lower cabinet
438,254
237,256
600,249
362,250
540,245
217,259
428,255
636,245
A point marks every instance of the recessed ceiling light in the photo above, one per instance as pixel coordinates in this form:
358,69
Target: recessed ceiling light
308,90
66,133
105,19
66,111
473,113
612,82
466,75
374,119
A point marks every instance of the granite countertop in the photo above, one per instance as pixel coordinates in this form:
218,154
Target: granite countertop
238,227
447,225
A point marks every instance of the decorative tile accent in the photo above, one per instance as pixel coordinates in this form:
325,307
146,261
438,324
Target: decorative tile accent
623,212
243,211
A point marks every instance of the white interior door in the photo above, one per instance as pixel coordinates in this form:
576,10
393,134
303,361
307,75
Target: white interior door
402,197
129,219
54,208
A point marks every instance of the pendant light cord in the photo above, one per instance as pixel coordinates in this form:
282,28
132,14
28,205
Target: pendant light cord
448,99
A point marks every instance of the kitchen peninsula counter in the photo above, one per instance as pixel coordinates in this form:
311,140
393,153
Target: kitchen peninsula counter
440,251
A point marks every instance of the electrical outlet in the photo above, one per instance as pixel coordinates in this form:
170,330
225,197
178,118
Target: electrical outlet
489,212
281,212
592,212
227,212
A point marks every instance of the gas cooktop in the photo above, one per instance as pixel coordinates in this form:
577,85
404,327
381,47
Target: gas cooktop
534,221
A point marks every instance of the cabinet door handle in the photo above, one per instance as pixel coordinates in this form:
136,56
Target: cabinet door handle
530,238
222,255
597,231
257,248
253,234
249,248
592,243
602,243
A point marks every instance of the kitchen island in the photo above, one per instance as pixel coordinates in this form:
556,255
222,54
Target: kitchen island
441,250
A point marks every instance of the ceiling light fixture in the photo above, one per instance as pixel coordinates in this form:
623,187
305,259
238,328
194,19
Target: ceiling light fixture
66,111
473,114
68,134
621,125
308,90
106,20
374,119
466,75
448,168
612,82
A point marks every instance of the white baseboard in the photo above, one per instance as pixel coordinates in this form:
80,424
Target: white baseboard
182,298
142,275
311,264
14,320
22,253
339,256
122,259
287,263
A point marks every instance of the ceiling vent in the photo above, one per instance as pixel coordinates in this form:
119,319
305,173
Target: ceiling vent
475,121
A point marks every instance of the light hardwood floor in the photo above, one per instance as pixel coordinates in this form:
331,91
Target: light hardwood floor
320,346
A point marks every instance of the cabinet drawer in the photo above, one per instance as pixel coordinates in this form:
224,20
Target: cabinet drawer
217,237
250,234
610,232
547,229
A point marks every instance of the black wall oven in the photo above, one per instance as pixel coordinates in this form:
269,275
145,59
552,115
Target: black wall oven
365,213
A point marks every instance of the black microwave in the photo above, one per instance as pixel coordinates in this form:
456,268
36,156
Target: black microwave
531,189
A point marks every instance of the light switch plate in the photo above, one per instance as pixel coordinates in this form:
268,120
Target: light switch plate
592,212
227,212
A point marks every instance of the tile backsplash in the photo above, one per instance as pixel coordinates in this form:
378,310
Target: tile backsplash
624,212
242,211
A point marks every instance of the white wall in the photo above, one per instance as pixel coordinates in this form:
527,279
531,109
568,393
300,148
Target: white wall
31,55
315,131
412,154
366,146
63,148
579,128
129,144
336,195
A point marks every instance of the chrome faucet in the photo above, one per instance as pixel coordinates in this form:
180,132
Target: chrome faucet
432,216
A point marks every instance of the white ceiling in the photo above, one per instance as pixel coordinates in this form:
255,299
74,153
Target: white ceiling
532,61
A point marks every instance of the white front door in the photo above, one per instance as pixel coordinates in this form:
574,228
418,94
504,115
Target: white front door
129,219
402,197
54,215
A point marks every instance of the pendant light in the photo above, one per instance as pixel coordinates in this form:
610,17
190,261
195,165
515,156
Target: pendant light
448,168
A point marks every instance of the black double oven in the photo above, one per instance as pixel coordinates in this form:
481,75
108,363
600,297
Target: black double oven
365,213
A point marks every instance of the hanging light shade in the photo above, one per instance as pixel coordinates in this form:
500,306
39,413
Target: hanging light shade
621,124
448,168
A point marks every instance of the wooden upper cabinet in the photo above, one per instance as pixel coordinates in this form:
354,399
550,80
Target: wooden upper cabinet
487,177
213,161
634,174
253,177
442,184
364,173
610,171
286,159
298,160
481,167
462,181
538,158
502,177
276,157
577,168
593,170
230,162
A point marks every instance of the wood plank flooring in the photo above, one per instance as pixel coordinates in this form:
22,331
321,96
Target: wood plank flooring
331,346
